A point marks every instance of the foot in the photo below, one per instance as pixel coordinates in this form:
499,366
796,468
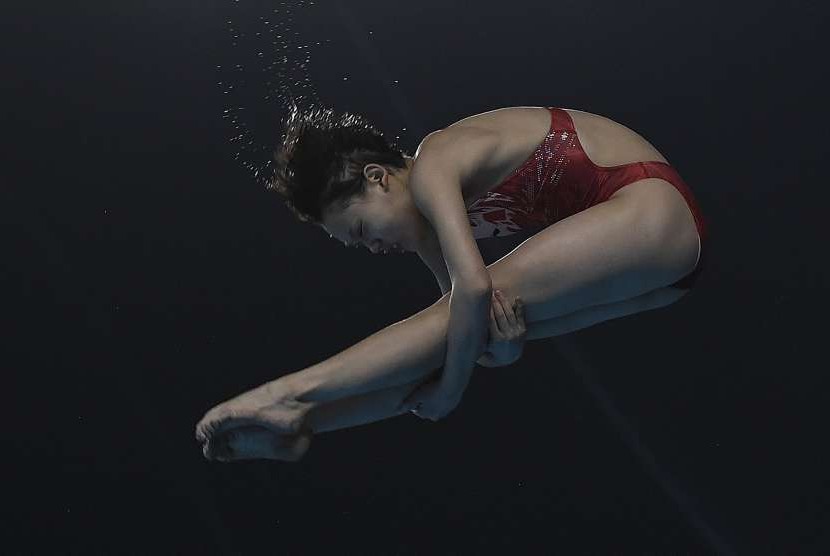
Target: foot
253,442
266,420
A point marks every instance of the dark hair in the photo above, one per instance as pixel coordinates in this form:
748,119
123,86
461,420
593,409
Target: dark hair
321,160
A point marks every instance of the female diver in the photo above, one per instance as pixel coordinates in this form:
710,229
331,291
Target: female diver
616,232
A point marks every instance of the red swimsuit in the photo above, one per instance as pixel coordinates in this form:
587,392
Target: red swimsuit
559,180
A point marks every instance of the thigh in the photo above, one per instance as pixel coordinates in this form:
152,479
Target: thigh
641,239
596,314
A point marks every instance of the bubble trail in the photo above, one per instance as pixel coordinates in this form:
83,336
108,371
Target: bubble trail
273,72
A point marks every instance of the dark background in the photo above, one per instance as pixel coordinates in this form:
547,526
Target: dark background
149,277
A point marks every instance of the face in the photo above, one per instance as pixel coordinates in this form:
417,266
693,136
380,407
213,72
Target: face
385,218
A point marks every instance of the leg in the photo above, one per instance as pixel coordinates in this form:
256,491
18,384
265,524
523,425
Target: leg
590,316
404,352
360,410
369,407
383,404
274,417
260,442
642,239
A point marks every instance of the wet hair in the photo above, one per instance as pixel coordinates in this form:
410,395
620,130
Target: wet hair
320,162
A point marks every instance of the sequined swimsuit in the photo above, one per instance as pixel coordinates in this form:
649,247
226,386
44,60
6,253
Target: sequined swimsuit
559,180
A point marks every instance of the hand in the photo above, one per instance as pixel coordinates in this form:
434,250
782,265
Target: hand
507,330
431,401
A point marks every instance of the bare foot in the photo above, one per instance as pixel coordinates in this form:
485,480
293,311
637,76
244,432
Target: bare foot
253,442
265,420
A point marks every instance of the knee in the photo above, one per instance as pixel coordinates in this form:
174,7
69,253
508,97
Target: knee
500,279
503,279
511,293
437,316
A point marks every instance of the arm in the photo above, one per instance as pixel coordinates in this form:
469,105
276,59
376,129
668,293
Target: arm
467,335
430,253
435,183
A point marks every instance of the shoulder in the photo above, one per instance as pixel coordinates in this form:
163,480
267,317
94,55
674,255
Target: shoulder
457,153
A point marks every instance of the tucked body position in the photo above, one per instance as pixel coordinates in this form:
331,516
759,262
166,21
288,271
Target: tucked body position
615,231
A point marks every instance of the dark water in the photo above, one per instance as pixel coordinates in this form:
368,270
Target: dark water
149,277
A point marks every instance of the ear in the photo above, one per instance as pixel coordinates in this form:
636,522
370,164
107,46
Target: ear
374,172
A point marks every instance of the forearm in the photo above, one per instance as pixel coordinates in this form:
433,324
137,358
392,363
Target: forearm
467,334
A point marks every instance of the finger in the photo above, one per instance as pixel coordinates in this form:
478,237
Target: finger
509,312
501,314
494,323
520,310
506,322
